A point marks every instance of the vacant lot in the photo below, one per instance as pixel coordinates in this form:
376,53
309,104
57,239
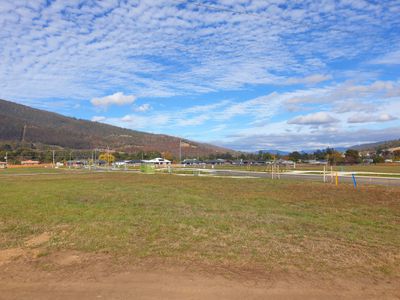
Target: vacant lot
245,228
376,168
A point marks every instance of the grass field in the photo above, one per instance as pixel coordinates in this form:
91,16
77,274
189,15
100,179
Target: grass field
29,170
378,168
240,224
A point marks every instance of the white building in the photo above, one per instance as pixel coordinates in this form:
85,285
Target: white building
158,161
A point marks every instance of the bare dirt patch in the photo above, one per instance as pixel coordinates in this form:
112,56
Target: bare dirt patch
7,255
38,240
76,275
67,258
29,251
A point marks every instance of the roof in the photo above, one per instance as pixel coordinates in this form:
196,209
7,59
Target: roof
191,160
29,162
157,160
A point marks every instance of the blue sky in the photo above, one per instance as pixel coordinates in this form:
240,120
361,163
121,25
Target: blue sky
245,74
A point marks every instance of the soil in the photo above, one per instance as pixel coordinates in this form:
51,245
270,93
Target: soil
30,272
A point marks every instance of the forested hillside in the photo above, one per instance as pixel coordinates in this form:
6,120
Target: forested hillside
23,124
378,146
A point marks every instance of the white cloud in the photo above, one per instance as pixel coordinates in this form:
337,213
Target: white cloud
98,118
134,121
391,58
164,48
117,99
345,96
331,107
65,53
363,118
143,108
310,140
352,106
319,118
312,79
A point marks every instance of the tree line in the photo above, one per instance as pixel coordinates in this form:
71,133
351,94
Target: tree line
17,153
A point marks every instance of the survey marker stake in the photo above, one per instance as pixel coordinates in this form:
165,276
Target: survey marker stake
354,180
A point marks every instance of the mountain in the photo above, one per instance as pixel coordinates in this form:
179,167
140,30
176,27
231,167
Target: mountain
275,152
377,146
339,149
20,123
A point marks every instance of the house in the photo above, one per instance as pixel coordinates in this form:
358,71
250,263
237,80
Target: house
121,163
316,162
30,162
284,162
368,161
218,161
76,163
191,162
157,161
3,165
124,163
101,162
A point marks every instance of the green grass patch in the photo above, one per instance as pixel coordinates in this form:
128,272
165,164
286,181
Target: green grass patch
252,222
378,168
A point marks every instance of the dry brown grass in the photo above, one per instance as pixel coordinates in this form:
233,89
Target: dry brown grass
237,224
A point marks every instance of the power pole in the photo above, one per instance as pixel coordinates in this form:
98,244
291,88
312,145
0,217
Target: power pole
54,163
92,162
108,157
6,159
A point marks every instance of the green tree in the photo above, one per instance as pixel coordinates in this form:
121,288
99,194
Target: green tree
294,156
352,156
378,159
336,158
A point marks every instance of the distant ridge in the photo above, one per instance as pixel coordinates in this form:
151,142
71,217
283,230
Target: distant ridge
23,124
275,152
377,146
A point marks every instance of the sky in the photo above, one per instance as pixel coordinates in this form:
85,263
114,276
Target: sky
244,74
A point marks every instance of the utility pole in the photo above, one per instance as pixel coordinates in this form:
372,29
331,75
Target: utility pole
95,158
6,159
92,162
108,157
54,163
